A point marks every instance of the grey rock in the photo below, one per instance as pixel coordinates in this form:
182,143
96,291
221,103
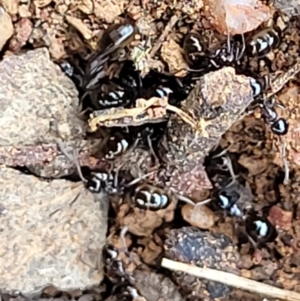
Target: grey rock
39,105
50,233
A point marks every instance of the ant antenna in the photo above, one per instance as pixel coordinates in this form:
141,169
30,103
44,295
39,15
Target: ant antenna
227,161
222,153
135,181
152,149
239,55
73,159
190,202
228,41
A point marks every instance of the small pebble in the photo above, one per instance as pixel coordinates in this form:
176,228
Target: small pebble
198,216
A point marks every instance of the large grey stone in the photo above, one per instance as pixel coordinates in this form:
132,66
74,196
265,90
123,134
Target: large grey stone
39,105
47,235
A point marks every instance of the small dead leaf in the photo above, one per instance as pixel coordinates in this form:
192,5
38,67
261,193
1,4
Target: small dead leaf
198,216
153,110
236,17
6,26
80,26
172,54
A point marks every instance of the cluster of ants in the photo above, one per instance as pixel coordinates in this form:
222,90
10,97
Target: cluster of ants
100,92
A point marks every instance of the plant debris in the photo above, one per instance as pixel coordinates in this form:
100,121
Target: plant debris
214,107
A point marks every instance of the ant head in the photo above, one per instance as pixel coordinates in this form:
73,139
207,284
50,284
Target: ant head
280,127
260,229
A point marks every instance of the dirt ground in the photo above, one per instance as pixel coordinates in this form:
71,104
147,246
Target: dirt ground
188,159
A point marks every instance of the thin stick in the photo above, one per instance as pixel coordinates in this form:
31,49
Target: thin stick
164,34
187,200
286,180
278,83
232,280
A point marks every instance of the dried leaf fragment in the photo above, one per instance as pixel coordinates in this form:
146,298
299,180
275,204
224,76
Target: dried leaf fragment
153,110
172,54
80,26
145,111
236,17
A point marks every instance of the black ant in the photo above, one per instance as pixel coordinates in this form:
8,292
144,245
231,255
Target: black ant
279,126
230,198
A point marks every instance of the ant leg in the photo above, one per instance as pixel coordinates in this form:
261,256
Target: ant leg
267,82
241,53
73,159
222,153
190,202
123,233
269,102
274,103
152,151
230,48
228,42
135,181
267,108
285,164
228,163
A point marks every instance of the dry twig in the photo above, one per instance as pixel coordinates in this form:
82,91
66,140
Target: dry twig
278,83
163,36
232,280
152,110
